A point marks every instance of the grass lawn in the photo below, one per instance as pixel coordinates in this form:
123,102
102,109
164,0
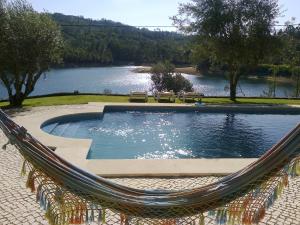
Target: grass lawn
83,99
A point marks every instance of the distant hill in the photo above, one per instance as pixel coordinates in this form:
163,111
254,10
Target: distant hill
106,42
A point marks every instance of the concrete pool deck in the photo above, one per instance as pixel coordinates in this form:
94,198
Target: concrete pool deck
76,150
18,204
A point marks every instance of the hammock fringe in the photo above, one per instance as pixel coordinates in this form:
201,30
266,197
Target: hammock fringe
63,208
70,195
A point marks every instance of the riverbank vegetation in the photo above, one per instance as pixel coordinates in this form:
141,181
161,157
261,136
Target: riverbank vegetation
84,99
186,70
104,42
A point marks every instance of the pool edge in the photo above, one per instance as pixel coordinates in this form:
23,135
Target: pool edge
76,150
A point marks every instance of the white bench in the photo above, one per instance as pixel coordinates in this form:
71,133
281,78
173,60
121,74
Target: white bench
138,95
168,95
190,95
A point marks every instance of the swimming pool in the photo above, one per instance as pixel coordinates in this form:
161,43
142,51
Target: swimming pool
173,134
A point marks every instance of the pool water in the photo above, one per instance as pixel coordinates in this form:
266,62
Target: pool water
174,135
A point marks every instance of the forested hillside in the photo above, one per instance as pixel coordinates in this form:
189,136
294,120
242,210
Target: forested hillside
106,42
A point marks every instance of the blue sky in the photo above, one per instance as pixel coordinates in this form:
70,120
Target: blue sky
136,12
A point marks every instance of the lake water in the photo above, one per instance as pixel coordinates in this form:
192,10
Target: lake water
121,80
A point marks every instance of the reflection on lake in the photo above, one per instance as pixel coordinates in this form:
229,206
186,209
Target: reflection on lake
121,80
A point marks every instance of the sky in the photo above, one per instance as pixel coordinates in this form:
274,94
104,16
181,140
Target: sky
137,12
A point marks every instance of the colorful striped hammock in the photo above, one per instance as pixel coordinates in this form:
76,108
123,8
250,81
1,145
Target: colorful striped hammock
73,196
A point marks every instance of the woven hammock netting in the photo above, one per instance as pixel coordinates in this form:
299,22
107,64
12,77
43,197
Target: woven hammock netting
70,195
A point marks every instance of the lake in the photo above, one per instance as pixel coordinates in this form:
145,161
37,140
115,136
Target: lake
121,80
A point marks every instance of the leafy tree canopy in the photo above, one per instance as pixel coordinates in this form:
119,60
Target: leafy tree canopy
30,42
290,53
235,33
290,36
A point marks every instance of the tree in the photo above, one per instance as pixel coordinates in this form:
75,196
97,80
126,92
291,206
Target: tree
235,33
164,78
30,42
107,42
291,51
2,27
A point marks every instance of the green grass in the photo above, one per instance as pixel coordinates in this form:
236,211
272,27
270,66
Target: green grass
83,99
252,101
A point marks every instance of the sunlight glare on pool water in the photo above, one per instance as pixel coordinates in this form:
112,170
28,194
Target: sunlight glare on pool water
174,135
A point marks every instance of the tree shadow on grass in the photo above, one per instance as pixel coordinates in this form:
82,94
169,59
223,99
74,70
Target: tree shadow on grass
190,101
14,111
165,101
137,101
237,102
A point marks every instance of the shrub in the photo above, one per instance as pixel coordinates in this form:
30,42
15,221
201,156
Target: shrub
268,70
164,78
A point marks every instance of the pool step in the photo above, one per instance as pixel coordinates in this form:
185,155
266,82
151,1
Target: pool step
65,130
49,128
71,130
60,129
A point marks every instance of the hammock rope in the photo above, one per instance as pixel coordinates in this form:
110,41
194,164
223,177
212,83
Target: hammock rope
70,195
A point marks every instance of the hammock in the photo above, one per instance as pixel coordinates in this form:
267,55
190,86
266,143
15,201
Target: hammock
73,196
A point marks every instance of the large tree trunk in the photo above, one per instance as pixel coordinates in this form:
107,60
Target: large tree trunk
232,92
233,85
16,100
14,87
298,86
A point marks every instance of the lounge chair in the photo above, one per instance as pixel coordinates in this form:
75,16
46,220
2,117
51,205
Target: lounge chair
190,95
165,95
138,95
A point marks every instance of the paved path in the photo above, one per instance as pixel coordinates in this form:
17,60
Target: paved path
18,206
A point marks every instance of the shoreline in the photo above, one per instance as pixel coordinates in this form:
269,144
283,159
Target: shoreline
192,71
186,70
279,79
